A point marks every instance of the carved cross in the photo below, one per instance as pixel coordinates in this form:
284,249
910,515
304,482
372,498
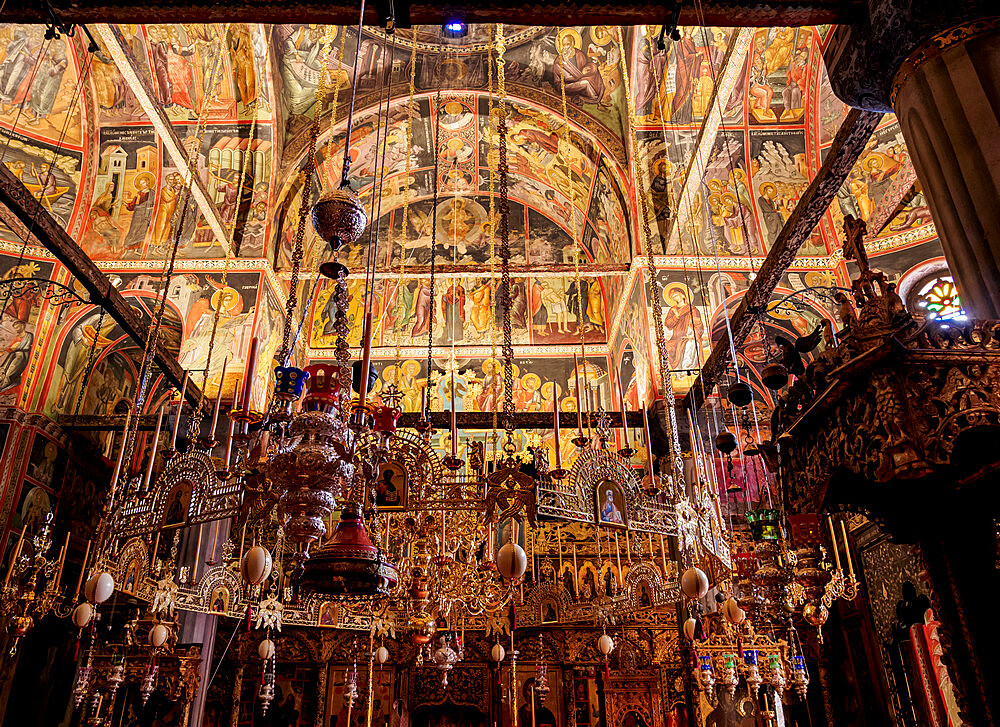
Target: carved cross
854,241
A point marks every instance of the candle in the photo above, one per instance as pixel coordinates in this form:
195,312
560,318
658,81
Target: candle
575,571
218,401
555,423
621,399
454,425
833,542
650,545
663,556
197,552
13,559
618,557
121,457
649,446
180,405
442,532
847,549
248,375
83,568
559,532
579,399
62,562
152,451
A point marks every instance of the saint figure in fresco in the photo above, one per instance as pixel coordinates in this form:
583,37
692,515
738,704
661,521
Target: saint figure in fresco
581,74
453,312
684,328
421,308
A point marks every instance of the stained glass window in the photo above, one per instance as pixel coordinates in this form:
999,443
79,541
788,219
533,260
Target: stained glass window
939,297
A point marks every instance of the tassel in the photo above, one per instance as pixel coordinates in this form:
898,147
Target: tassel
739,646
699,628
248,617
607,670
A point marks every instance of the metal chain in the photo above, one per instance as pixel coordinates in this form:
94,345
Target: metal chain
91,360
410,108
156,322
577,245
435,136
305,182
508,346
491,108
677,464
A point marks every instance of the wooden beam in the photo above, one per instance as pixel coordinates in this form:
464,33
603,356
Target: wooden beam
42,226
441,420
758,13
134,74
847,147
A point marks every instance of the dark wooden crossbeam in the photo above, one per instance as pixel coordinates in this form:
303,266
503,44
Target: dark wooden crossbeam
441,420
23,209
847,147
422,12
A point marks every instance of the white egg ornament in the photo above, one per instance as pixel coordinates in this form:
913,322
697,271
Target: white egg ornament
605,644
690,629
256,565
158,636
100,587
82,615
694,583
498,653
512,561
265,649
733,613
381,655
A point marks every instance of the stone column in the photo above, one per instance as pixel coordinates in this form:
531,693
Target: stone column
947,98
937,66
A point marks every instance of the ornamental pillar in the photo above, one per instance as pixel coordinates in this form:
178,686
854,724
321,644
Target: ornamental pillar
937,66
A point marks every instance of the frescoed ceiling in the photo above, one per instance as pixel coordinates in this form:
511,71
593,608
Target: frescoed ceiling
731,127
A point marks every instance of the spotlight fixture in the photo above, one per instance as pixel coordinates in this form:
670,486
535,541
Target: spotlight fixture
455,29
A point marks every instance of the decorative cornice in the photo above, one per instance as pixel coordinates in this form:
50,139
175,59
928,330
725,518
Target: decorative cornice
936,46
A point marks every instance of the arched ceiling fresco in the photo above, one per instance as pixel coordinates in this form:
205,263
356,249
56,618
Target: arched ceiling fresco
732,125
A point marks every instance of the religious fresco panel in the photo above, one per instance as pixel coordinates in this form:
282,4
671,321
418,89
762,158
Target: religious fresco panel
675,86
728,209
779,64
39,83
52,174
19,322
95,356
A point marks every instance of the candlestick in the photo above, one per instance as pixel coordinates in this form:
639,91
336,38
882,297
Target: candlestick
649,449
618,558
579,399
575,571
442,532
558,473
847,549
121,457
83,567
152,451
177,420
663,556
627,450
559,534
14,557
248,375
833,542
62,562
454,426
218,402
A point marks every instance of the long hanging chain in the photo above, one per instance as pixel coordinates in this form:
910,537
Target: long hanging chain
401,283
577,246
508,346
677,464
305,183
435,136
130,435
491,108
